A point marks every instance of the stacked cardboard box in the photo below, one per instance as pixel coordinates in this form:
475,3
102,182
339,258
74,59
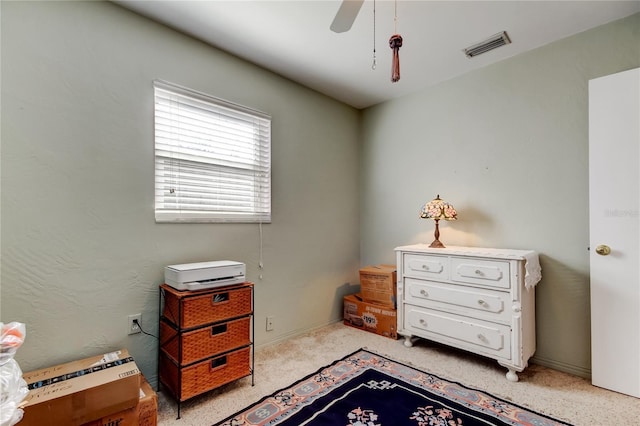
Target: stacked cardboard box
370,317
143,414
84,391
378,284
374,308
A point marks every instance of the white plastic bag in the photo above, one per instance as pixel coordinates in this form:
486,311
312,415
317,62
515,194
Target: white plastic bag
11,338
13,388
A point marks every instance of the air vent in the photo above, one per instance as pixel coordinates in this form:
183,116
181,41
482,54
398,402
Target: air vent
491,43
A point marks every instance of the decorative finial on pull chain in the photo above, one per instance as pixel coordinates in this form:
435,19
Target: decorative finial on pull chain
395,42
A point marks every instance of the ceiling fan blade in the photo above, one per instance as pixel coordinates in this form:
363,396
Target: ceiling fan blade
346,15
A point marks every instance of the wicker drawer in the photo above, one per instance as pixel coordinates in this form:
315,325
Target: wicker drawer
204,342
205,375
189,309
490,273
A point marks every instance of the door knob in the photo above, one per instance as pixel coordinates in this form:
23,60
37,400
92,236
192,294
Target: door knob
603,250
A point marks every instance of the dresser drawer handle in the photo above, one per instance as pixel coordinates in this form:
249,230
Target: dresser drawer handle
425,267
479,272
424,293
482,303
482,338
423,322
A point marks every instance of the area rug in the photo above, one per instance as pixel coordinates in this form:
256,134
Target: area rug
367,389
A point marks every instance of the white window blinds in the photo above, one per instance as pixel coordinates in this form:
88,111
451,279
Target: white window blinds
213,159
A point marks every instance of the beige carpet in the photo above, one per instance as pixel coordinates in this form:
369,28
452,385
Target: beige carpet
550,392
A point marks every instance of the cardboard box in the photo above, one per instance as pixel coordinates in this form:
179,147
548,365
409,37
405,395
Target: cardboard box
370,317
378,284
143,414
81,391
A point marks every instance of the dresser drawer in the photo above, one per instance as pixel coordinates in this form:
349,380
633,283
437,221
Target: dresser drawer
475,335
486,304
490,273
204,342
427,267
194,309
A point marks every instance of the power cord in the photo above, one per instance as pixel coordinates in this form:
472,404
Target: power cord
135,321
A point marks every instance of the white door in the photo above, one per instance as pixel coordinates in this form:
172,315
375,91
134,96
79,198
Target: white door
614,208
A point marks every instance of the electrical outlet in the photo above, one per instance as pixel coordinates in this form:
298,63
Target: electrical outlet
269,323
134,327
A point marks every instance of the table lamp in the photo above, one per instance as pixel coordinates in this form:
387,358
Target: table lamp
438,209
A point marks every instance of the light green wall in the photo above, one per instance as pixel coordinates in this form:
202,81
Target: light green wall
508,146
80,248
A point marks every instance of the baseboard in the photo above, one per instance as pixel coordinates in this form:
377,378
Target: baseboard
549,363
153,382
561,366
295,333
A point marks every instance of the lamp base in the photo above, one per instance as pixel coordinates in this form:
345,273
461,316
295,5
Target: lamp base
436,244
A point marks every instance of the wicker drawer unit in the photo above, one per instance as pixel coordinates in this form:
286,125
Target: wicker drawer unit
481,300
205,338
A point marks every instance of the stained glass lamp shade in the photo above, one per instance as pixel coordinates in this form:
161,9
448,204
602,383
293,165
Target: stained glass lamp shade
438,209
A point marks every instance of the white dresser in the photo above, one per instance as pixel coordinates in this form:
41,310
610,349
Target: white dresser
478,299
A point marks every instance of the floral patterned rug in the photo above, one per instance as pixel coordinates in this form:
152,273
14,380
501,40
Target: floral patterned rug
367,389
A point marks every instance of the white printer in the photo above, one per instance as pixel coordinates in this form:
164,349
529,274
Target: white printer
202,275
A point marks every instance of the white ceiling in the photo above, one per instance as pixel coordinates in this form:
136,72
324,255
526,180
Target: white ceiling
293,39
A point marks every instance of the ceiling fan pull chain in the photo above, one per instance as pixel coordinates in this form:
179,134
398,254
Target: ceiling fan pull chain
395,16
375,62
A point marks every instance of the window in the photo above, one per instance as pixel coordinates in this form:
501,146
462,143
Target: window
213,159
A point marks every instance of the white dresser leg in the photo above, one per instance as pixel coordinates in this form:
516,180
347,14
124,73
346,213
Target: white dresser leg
512,376
407,341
